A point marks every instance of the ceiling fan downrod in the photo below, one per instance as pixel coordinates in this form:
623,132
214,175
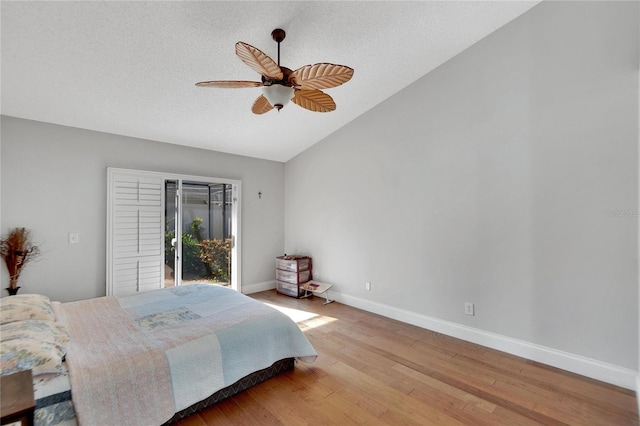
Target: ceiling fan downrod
278,35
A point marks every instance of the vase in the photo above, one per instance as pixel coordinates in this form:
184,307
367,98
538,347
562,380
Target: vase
13,291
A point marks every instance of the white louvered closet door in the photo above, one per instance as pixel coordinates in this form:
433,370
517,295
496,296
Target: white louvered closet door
135,232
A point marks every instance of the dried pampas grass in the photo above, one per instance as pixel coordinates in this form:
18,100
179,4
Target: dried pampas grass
17,250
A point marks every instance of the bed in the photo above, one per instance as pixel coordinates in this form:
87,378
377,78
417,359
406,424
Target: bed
147,359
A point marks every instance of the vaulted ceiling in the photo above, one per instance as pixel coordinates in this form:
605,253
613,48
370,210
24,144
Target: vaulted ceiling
130,68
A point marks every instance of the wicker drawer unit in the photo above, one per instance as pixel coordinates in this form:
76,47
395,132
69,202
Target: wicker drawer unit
290,272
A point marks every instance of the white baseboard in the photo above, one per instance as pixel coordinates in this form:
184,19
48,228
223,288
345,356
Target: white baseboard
254,288
638,390
594,369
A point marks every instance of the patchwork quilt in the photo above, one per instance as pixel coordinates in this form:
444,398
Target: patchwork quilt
141,358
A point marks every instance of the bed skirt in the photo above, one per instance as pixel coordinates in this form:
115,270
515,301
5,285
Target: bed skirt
239,386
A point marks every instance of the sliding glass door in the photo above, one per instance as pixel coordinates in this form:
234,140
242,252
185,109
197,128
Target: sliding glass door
199,232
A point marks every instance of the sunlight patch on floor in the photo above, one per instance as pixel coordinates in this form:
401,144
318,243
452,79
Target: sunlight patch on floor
310,319
318,321
295,314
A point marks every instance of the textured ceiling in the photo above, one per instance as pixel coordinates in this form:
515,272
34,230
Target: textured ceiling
129,68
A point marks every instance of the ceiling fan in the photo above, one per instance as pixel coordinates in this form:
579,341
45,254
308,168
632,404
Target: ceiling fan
281,85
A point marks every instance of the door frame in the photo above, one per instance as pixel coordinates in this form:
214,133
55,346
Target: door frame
236,228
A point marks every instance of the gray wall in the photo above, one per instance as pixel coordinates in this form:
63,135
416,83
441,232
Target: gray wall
508,177
54,181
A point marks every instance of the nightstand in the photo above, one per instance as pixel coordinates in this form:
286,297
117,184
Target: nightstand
17,403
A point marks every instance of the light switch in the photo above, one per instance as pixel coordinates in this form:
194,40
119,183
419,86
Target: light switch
74,238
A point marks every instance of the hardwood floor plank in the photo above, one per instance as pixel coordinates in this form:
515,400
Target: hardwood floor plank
355,397
429,384
373,370
333,409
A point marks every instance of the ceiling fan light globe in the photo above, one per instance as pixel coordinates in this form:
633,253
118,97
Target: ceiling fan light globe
278,95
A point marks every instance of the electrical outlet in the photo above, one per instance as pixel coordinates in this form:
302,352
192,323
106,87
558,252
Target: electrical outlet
367,286
469,309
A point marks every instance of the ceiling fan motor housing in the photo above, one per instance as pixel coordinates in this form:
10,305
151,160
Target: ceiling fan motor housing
285,78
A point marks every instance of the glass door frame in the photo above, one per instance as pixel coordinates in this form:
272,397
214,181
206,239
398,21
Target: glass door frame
236,227
235,224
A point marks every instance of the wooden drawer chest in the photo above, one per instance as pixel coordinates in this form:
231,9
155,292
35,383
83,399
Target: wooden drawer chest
17,403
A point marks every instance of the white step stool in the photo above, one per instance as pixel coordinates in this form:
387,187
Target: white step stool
311,287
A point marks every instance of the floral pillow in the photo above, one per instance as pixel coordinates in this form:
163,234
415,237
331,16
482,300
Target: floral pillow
36,329
25,306
39,345
28,354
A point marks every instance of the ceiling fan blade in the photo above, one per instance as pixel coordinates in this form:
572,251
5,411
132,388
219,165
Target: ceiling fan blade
259,61
314,100
229,84
261,105
321,76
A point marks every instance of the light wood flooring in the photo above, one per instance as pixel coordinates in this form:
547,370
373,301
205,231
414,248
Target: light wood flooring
375,371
